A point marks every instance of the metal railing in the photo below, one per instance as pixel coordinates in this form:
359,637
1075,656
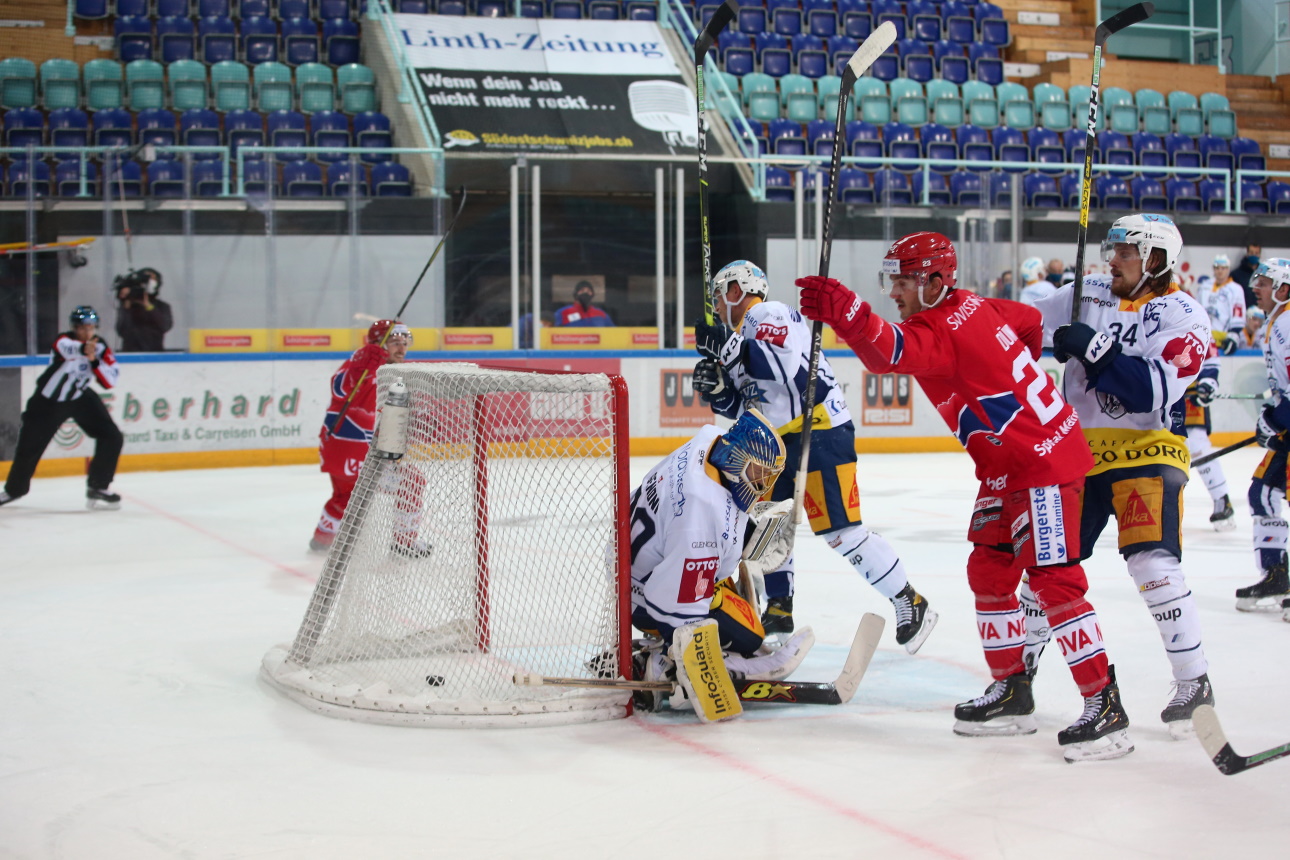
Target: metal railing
1190,29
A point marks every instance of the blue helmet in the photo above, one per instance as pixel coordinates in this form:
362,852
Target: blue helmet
750,455
83,315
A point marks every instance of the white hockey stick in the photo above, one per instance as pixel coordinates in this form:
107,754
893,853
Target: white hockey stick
864,57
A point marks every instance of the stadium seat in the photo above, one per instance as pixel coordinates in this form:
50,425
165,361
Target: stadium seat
1052,110
1111,192
1185,110
946,105
1182,150
69,127
1182,196
29,176
214,8
797,93
1219,118
1046,146
60,84
166,178
1214,152
937,188
908,102
216,39
1114,148
187,85
779,184
316,87
244,128
786,137
24,127
874,105
302,179
1010,145
345,178
1122,113
200,127
986,65
965,188
822,22
288,9
924,19
122,178
231,82
158,127
891,188
642,10
1247,153
1041,191
372,130
974,145
820,137
1149,150
994,32
857,24
255,177
357,87
113,127
415,7
104,88
997,189
174,8
938,141
1278,196
863,139
751,20
1071,185
133,37
1253,200
177,38
273,90
340,41
1148,194
287,128
901,141
391,179
67,179
299,41
207,179
145,80
1213,194
854,186
92,9
259,40
331,128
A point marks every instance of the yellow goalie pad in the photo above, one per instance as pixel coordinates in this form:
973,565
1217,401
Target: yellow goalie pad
701,670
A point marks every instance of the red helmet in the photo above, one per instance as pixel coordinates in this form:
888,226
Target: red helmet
924,254
376,333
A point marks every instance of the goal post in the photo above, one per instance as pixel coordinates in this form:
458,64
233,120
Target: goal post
490,540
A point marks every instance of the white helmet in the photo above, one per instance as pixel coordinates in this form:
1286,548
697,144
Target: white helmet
1223,261
1277,270
1032,270
1145,232
750,278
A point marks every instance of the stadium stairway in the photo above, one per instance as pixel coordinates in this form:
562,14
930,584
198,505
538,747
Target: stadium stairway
1032,43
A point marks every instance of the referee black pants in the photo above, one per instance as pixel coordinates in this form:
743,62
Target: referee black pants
41,421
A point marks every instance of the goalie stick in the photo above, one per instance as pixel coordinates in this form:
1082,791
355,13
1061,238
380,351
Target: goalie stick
864,57
719,21
1226,759
837,692
1105,30
398,316
1214,455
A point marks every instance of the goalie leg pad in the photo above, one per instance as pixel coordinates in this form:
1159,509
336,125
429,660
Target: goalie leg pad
738,624
701,672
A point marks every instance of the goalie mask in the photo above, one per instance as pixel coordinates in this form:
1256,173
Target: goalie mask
750,456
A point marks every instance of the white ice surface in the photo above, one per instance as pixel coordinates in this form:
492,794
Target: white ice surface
133,723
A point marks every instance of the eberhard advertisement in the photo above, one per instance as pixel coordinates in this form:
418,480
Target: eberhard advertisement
550,85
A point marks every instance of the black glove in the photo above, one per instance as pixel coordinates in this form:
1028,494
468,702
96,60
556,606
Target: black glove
1229,344
719,342
1268,431
708,377
1206,389
1094,349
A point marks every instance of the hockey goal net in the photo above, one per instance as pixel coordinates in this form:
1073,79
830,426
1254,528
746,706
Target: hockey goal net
495,544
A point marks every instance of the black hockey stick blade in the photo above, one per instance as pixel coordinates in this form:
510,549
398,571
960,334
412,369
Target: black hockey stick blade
720,19
1124,18
1214,455
1227,760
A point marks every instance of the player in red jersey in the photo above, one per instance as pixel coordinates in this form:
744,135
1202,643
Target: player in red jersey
343,451
975,360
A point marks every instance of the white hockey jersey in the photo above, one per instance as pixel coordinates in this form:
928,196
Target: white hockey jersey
1275,344
686,532
1032,293
1225,304
772,377
1126,417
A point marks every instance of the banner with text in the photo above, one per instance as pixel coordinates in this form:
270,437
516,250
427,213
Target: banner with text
550,85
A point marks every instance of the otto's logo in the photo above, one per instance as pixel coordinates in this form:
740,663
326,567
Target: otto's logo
772,333
698,576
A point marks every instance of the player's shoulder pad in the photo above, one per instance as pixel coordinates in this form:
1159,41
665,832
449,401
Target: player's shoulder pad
1178,311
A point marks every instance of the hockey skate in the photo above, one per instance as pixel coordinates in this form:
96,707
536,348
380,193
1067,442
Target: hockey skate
1224,517
321,542
1285,609
772,664
777,620
411,548
650,662
1007,708
914,619
102,500
5,498
1267,593
1187,695
1101,732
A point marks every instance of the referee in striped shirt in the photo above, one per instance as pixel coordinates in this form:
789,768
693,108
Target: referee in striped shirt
78,358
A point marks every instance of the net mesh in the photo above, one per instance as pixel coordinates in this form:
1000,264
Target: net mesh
489,548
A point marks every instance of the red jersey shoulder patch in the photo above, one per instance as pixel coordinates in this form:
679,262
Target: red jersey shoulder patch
698,578
772,333
1185,353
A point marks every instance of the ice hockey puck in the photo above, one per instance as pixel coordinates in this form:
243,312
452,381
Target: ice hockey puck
434,680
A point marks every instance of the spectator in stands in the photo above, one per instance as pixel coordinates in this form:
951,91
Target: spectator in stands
526,329
1056,268
1243,272
1004,286
142,318
581,312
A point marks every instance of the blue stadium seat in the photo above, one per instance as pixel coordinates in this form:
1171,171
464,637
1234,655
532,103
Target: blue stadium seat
1041,191
67,178
176,37
29,175
24,127
924,18
300,41
91,9
331,128
965,188
391,179
1010,145
642,10
113,127
752,20
1182,150
488,9
1253,200
994,32
287,128
779,184
863,139
1114,148
207,178
1046,146
1278,196
174,8
1149,150
255,177
340,41
415,7
1248,155
1071,185
158,127
133,38
288,9
857,25
820,136
68,127
974,145
344,178
901,141
260,40
166,178
250,8
1182,195
938,190
451,7
1148,194
122,178
217,37
891,187
244,128
1215,152
822,22
219,8
372,129
302,179
786,137
854,186
997,188
200,127
1213,194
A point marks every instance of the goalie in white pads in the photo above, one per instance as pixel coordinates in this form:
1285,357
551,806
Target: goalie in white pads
1139,342
757,356
1271,285
689,528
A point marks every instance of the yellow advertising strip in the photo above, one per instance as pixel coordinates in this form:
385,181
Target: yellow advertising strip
583,337
467,338
228,340
62,467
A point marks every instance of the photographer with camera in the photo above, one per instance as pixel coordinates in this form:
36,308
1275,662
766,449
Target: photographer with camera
142,318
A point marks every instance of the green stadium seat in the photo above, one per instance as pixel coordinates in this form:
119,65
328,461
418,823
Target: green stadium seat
982,108
908,101
146,82
1219,118
757,82
946,105
232,85
1185,110
188,89
17,83
273,87
872,103
316,87
357,87
104,89
60,84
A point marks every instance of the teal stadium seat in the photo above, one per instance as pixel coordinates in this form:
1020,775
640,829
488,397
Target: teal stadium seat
187,79
273,90
146,82
104,89
17,83
60,84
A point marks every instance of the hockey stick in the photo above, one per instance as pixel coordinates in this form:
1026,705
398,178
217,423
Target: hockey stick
1262,395
398,316
719,21
1226,759
836,692
864,57
1214,455
1105,30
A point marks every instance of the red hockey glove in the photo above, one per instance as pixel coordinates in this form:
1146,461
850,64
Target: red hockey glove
828,301
369,358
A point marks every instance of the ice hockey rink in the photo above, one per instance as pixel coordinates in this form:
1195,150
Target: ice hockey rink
135,724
